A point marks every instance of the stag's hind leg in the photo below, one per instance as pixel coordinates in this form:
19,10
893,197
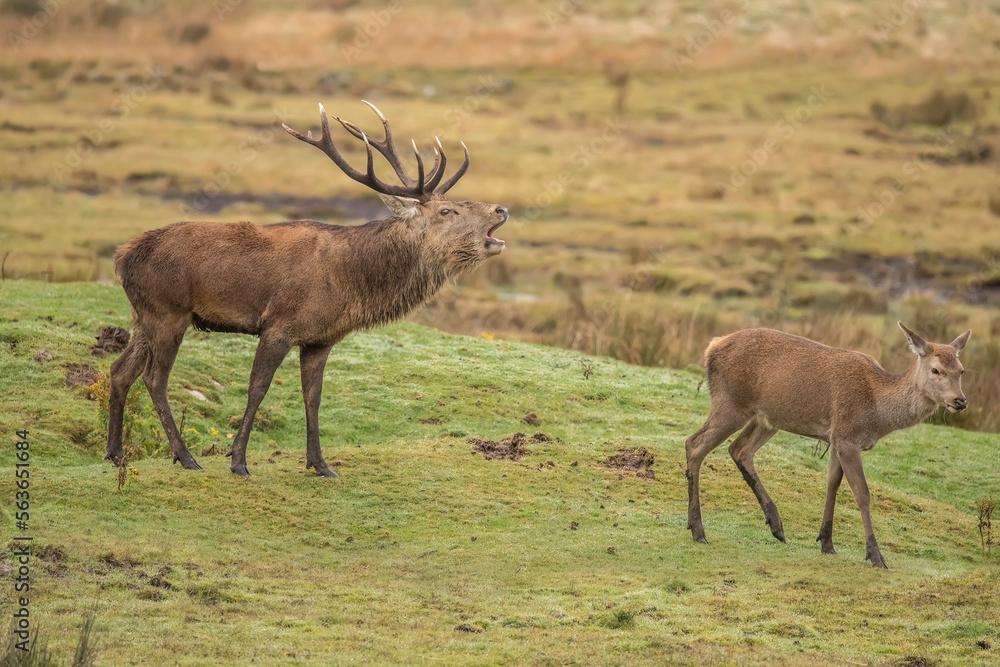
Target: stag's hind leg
743,449
163,346
124,372
312,361
714,431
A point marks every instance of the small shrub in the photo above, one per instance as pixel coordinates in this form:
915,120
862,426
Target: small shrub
985,507
22,7
619,619
192,33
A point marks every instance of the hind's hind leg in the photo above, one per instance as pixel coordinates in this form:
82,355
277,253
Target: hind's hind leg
124,372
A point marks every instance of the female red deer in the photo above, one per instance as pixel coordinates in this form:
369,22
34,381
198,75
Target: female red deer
763,380
302,283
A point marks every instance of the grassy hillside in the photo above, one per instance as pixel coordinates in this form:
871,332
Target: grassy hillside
424,551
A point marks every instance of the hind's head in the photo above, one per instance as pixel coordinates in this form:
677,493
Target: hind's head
939,372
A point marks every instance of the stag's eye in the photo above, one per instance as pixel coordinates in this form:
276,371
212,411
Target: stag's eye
446,211
935,371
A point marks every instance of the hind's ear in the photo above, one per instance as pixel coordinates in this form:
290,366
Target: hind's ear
960,342
918,345
404,207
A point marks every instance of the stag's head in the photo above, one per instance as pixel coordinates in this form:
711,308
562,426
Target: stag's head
939,372
460,233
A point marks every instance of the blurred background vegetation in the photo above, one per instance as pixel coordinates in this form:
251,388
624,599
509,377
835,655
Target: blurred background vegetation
675,170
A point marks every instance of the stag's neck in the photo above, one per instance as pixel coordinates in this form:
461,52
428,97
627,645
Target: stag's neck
901,403
389,272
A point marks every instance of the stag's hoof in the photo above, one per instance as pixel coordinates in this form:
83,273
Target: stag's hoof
828,549
188,463
700,538
322,469
874,554
241,470
780,535
878,561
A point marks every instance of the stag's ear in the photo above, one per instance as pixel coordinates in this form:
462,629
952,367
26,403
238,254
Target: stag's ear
959,343
404,207
917,344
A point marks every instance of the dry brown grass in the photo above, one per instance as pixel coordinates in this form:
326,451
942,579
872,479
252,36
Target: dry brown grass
295,35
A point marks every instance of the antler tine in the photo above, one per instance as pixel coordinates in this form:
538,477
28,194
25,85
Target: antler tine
385,147
436,175
444,187
325,144
420,167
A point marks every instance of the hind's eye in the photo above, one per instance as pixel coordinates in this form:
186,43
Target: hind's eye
934,370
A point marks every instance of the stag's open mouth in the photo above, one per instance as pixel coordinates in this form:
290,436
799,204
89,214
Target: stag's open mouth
492,240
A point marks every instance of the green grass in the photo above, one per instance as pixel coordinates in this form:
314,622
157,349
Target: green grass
421,536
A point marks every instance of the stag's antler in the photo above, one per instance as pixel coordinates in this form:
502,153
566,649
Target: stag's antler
423,188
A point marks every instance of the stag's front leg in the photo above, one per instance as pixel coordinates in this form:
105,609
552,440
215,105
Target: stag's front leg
850,460
312,361
271,352
833,479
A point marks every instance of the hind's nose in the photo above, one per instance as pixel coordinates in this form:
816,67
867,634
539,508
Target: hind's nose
502,211
961,403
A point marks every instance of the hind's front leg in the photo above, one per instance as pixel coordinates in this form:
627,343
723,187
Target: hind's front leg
834,476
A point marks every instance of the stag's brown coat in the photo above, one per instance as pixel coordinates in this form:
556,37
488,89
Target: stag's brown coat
303,283
763,381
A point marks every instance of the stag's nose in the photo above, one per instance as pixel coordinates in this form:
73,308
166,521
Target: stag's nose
502,212
961,403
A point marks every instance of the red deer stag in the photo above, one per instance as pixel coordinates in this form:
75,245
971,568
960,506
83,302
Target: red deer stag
301,283
763,380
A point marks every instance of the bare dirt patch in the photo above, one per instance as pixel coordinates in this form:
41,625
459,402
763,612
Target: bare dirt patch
531,419
53,558
112,339
122,563
511,448
52,554
634,459
915,661
80,375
